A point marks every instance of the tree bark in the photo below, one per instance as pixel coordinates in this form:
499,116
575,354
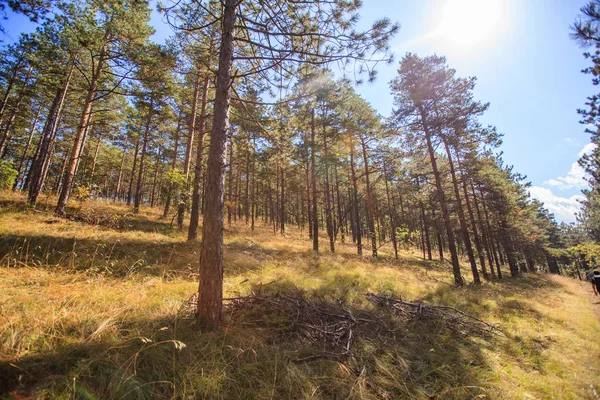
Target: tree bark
458,280
27,145
35,177
313,169
83,124
461,215
210,288
133,168
138,189
120,177
195,212
370,216
357,227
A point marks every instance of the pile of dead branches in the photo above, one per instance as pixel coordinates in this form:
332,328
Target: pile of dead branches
450,317
95,218
332,327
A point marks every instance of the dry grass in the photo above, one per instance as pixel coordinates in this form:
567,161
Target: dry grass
89,311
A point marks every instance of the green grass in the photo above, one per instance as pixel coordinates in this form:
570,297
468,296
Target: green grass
90,311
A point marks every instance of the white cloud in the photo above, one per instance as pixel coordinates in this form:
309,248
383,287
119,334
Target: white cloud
575,177
563,208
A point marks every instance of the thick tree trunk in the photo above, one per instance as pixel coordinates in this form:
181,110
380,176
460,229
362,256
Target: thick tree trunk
210,288
195,212
458,280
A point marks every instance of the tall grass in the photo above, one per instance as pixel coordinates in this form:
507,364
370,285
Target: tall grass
93,312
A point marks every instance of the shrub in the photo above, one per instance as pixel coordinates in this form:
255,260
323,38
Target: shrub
7,175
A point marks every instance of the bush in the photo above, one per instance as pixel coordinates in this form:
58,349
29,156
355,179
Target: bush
7,175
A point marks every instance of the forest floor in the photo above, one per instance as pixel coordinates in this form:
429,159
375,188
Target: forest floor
95,307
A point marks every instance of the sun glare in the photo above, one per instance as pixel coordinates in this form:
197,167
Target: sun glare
470,23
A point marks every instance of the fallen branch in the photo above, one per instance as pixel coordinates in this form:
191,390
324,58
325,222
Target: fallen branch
451,317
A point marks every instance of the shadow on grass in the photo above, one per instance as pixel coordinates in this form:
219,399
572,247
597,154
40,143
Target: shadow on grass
246,359
118,258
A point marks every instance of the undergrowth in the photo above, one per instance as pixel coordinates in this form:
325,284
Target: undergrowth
91,308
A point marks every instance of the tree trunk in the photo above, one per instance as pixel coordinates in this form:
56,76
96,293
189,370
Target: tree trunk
356,213
154,181
35,177
458,280
426,228
83,124
195,212
10,84
95,159
26,150
230,186
173,166
138,189
508,248
484,233
120,177
461,216
133,167
313,169
370,217
473,224
390,210
210,288
4,138
282,208
440,243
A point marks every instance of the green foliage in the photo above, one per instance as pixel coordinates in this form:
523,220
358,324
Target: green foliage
588,252
81,193
7,175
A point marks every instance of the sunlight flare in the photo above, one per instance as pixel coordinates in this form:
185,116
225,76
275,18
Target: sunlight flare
470,23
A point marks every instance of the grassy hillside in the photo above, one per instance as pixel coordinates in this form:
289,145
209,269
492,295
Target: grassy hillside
97,307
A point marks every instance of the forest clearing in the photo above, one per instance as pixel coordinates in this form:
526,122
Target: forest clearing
282,199
95,312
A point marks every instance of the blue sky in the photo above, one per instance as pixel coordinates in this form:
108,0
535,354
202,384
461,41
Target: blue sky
527,67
